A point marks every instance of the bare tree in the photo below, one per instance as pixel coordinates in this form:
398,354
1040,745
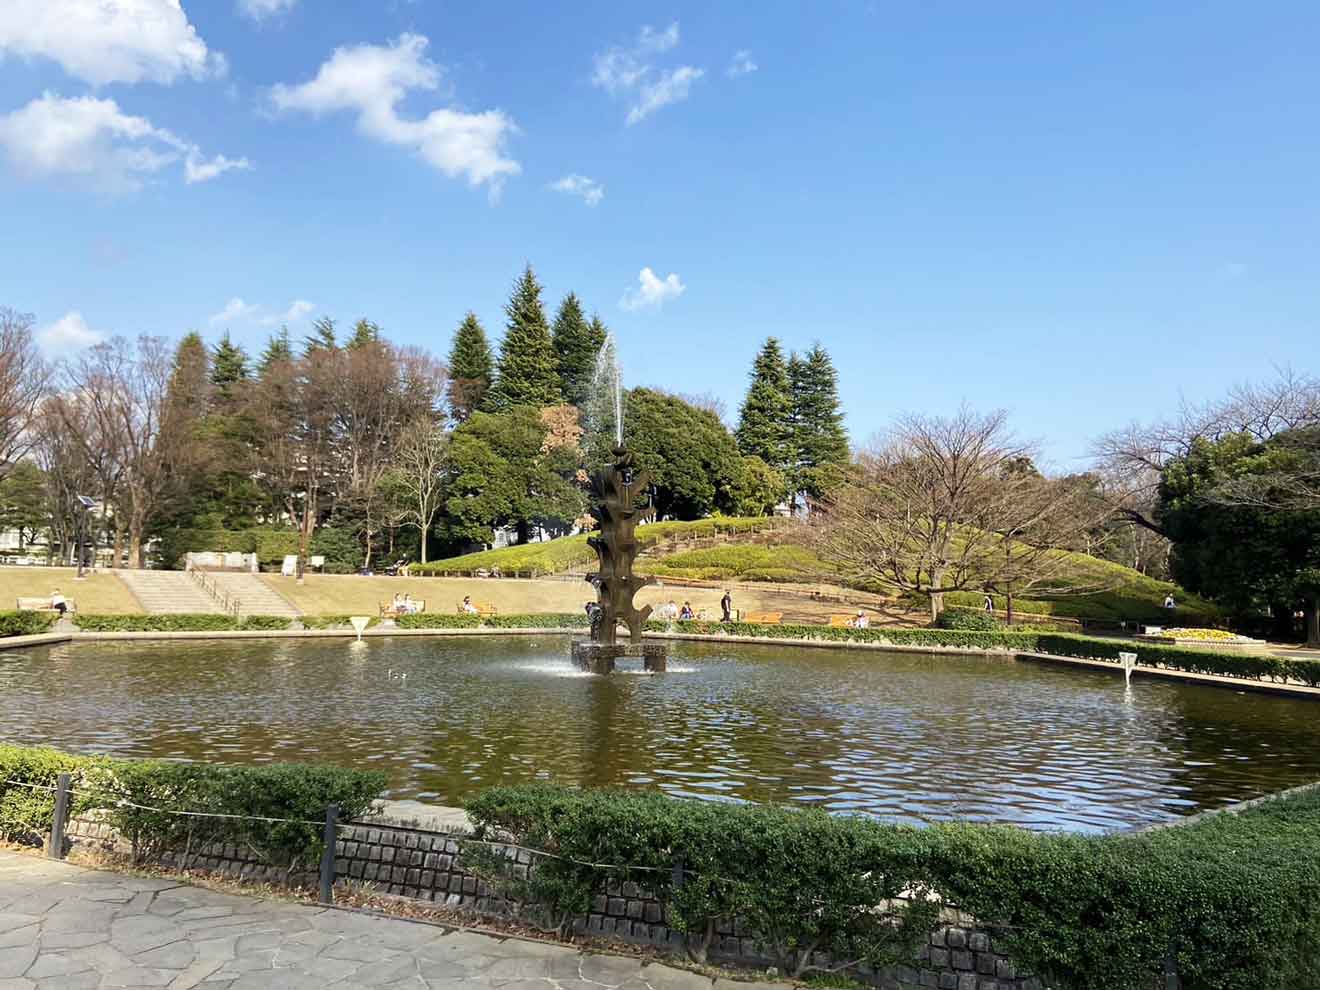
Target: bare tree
416,478
952,504
1133,458
23,379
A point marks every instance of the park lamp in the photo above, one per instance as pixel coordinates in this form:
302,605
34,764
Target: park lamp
86,503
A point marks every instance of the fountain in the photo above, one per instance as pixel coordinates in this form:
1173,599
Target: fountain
618,488
359,623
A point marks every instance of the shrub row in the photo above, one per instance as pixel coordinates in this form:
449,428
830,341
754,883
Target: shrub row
25,623
464,620
333,621
196,622
1232,902
1192,660
101,784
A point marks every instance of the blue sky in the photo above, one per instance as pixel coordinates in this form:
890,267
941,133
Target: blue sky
1084,215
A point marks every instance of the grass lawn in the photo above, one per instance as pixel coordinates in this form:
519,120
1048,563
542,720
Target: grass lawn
101,594
346,594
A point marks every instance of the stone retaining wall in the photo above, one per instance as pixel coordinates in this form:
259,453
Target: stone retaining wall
427,866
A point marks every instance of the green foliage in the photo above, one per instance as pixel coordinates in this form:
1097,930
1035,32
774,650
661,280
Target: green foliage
257,622
438,620
801,881
364,333
270,545
333,621
967,618
25,623
764,427
499,475
471,367
196,622
23,500
340,548
554,556
277,790
757,487
1233,899
577,342
819,441
25,812
692,458
229,366
540,620
527,373
779,562
278,351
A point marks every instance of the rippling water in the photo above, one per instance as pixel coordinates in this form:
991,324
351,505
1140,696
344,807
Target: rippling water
908,737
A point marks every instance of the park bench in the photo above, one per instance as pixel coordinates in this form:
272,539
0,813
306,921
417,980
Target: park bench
482,608
841,621
763,618
388,610
42,605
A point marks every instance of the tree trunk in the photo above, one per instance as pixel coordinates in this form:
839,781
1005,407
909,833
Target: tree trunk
134,545
304,544
1313,621
423,541
119,543
1008,607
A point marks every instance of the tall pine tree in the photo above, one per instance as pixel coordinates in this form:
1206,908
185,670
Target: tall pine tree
819,441
364,332
764,427
322,337
278,350
527,373
471,365
577,343
229,366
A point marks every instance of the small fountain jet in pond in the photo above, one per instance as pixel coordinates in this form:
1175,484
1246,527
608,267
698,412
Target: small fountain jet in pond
617,489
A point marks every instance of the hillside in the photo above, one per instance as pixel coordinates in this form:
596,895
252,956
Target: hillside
756,550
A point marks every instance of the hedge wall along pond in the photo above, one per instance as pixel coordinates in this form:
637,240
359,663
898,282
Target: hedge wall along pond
1245,665
1232,902
289,791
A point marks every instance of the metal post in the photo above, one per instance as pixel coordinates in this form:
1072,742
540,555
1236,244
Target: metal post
328,856
60,819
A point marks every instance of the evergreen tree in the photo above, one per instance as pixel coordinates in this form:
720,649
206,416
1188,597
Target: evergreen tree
364,332
322,337
819,441
577,343
764,427
229,365
527,373
471,366
278,351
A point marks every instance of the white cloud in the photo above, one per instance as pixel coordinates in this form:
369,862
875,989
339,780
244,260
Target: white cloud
631,73
652,291
69,333
235,311
198,169
298,309
371,81
591,191
259,10
93,141
106,41
670,87
741,65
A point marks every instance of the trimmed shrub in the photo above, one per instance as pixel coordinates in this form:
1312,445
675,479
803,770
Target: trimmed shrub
333,621
546,620
266,622
199,622
1233,900
278,790
25,623
968,619
438,620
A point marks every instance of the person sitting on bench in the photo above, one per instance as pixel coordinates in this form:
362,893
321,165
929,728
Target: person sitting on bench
58,603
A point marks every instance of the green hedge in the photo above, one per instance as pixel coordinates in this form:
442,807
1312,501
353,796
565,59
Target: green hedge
333,621
194,622
1243,665
968,618
25,623
289,791
465,620
1232,901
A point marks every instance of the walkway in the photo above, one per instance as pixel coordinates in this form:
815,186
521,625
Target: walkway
168,593
68,927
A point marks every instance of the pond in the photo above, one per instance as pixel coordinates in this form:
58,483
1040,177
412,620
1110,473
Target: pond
907,737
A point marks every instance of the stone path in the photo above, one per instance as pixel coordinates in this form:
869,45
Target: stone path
70,928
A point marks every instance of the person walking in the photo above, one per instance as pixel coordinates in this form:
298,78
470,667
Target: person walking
726,606
989,604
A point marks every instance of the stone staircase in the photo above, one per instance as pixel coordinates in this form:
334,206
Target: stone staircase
168,592
254,596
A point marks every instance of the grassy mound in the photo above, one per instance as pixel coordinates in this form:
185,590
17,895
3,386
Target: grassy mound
553,556
741,562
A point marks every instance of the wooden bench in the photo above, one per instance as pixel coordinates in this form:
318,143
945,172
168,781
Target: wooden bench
842,621
42,605
388,610
482,608
763,618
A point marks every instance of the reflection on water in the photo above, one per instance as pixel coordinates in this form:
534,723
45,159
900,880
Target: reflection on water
909,737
